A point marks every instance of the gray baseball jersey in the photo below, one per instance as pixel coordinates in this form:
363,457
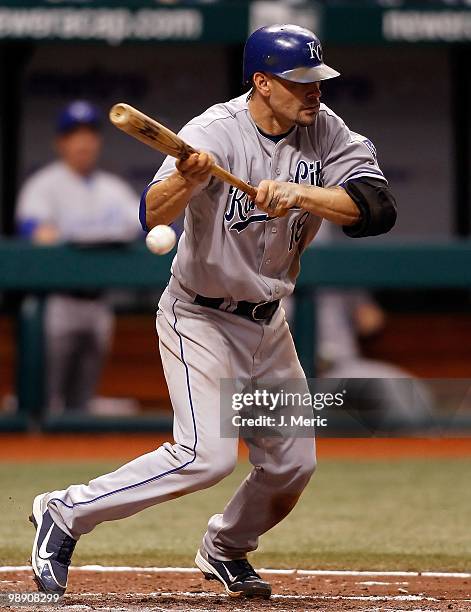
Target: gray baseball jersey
96,209
230,248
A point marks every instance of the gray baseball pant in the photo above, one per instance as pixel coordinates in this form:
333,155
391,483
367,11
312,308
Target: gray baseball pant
78,336
199,346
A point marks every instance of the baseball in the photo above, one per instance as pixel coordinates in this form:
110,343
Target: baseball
161,239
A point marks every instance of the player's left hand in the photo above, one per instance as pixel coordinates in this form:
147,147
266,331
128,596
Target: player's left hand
277,198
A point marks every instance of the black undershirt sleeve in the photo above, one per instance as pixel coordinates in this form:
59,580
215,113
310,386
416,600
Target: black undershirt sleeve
377,207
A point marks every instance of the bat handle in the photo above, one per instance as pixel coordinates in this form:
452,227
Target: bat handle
233,180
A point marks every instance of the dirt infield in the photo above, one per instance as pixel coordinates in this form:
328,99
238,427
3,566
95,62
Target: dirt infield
150,590
24,447
329,592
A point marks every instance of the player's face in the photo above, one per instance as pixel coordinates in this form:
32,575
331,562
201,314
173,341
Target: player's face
296,102
80,149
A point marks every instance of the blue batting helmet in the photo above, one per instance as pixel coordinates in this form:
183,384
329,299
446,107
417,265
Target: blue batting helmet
288,51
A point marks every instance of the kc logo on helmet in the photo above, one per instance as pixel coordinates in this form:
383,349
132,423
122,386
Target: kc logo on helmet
316,50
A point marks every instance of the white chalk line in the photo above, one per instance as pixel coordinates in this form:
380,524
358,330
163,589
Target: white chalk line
380,583
398,610
206,594
299,572
155,608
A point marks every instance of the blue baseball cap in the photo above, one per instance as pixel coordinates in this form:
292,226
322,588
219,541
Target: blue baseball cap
76,114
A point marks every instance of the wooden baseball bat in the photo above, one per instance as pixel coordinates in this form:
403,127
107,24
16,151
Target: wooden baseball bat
157,136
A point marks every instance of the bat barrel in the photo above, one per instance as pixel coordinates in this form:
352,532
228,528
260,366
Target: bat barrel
119,114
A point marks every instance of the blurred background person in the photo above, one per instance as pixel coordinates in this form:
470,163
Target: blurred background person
381,395
72,201
343,317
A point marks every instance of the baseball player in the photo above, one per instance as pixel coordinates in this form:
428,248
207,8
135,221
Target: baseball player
70,200
220,316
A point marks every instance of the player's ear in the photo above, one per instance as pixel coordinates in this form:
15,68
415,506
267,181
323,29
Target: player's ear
262,83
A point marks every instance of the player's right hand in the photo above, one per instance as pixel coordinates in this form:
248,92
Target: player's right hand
276,198
197,168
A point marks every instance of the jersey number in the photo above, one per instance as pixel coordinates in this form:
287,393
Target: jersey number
296,230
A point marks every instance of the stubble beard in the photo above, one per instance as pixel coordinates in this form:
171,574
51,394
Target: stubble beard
305,122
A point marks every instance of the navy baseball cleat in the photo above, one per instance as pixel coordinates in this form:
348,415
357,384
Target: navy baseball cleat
238,577
52,550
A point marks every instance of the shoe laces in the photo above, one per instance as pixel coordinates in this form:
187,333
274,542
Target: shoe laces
244,570
66,548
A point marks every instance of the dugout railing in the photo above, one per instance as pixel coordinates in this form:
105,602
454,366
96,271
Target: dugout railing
31,272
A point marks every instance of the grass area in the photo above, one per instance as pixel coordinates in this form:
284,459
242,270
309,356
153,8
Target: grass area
408,514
